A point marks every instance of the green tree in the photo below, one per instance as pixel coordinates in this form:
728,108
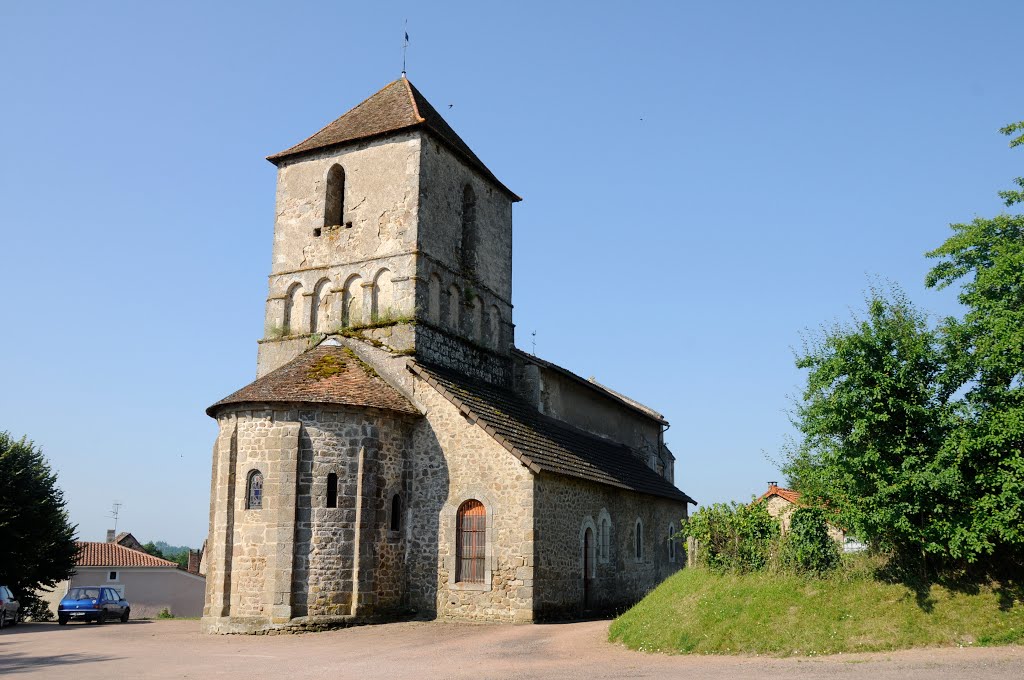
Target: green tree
37,538
873,418
985,350
153,550
912,436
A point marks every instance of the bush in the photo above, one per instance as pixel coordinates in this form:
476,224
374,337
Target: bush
807,547
733,537
35,608
165,613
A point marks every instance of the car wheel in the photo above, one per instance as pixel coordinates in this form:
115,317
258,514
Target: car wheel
62,620
101,619
124,617
3,618
16,620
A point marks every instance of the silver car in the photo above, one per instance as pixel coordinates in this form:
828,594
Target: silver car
10,609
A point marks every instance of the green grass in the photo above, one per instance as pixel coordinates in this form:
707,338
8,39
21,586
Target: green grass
701,612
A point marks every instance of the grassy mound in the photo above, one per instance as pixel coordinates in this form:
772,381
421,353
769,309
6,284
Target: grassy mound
701,612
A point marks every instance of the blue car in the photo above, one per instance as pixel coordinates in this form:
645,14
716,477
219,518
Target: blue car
93,603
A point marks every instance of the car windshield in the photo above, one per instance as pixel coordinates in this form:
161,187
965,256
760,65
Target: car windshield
84,594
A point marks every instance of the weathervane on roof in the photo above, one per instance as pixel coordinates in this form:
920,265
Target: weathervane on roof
405,43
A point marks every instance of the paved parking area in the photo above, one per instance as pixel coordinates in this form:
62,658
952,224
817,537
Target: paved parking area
424,650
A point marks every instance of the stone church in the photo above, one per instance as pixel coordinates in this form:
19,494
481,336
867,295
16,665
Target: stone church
396,454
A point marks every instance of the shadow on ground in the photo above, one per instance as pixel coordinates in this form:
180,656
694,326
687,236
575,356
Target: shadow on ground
23,663
1003,580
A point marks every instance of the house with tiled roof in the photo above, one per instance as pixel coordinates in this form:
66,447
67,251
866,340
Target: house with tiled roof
396,455
151,584
782,502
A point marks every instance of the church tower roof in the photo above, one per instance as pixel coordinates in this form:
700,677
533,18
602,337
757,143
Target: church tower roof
397,107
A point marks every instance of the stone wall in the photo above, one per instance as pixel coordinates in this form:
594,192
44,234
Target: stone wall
295,559
443,179
434,346
455,461
564,509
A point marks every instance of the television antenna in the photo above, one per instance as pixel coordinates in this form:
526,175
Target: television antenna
114,512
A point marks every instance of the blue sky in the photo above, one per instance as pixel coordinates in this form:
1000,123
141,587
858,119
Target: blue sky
703,182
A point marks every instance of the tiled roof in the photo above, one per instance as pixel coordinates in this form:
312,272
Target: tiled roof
785,494
327,374
113,555
542,443
398,106
592,384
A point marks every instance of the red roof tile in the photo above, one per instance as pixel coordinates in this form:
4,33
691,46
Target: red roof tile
785,494
113,555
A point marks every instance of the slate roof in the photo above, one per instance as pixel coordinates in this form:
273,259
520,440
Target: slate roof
398,106
785,494
592,384
327,374
93,554
542,443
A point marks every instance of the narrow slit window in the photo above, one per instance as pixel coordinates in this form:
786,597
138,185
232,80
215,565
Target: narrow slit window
396,513
332,490
470,236
471,536
639,540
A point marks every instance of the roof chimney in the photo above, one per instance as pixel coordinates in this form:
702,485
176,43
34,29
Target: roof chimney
773,485
110,535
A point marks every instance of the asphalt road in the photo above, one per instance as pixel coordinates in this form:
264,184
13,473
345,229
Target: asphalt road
423,650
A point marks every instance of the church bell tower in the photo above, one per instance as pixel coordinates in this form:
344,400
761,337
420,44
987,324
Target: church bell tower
388,227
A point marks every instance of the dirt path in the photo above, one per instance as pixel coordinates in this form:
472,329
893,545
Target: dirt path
175,649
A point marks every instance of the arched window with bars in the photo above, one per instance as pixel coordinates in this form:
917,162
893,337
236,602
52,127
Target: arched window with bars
470,542
254,490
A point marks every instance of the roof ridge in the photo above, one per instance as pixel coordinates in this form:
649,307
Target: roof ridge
412,98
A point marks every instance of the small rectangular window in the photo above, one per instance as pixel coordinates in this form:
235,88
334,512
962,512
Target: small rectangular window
332,490
112,576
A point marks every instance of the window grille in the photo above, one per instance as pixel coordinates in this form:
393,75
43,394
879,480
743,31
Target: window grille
471,536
